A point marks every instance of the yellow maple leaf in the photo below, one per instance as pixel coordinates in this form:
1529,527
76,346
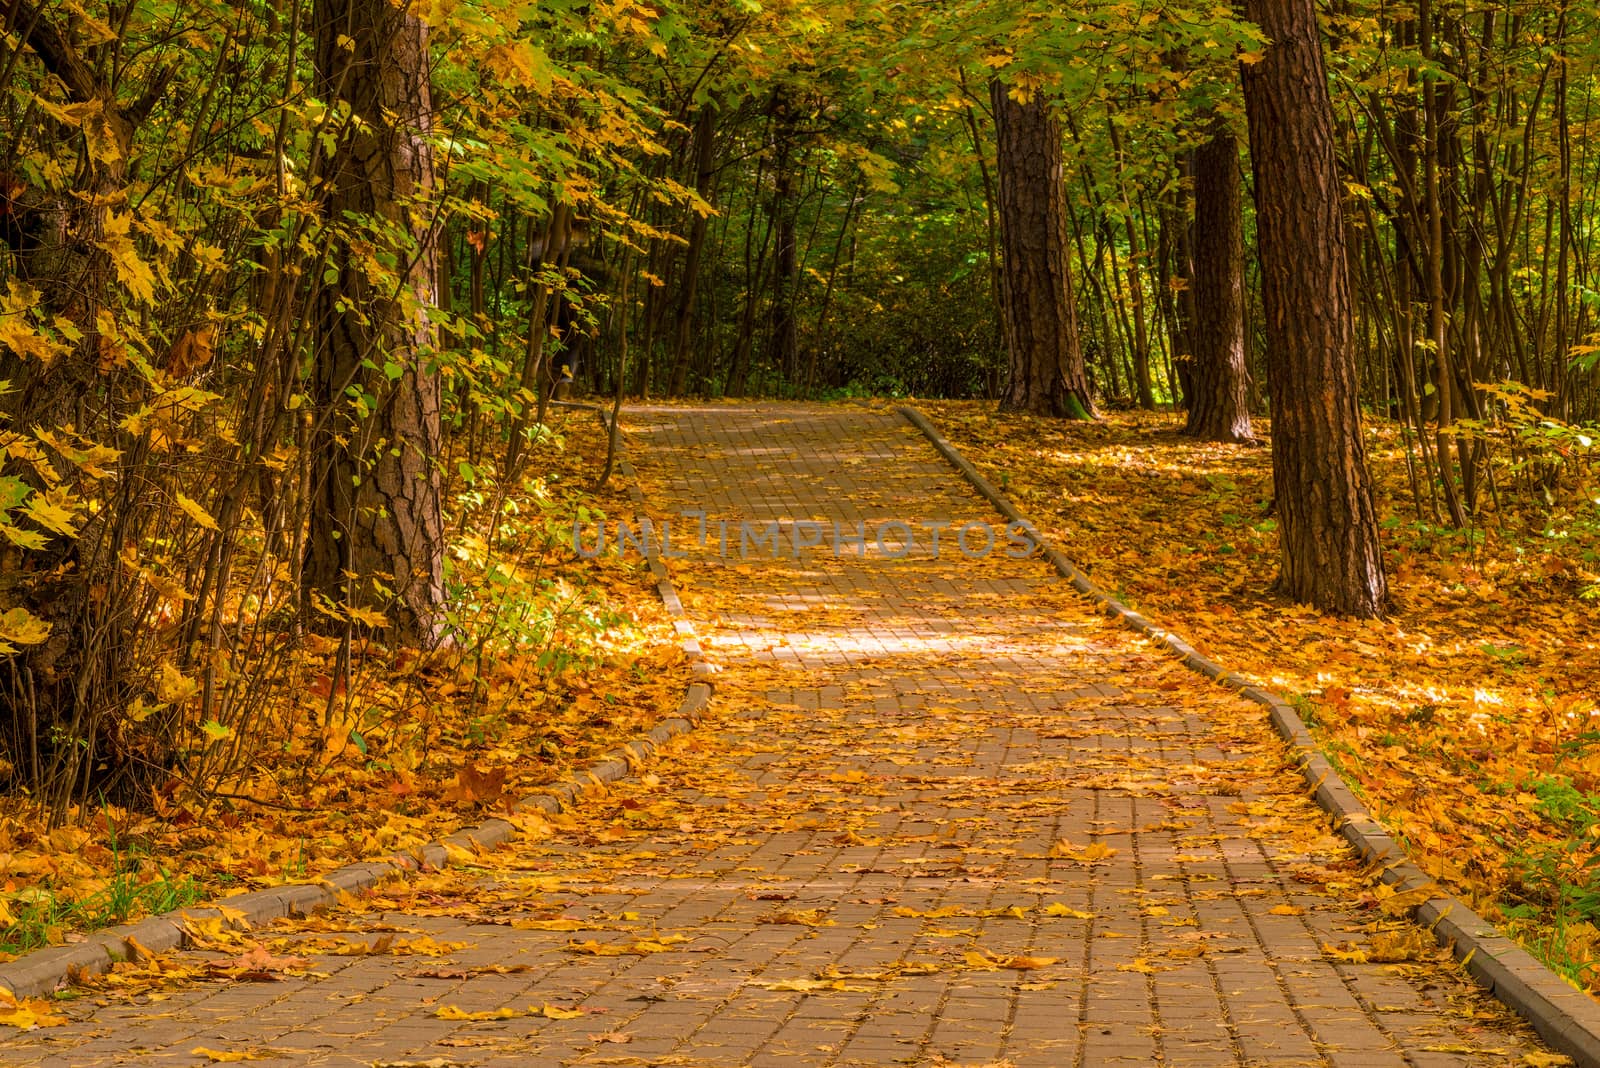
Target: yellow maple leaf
132,271
451,1012
367,617
225,1056
55,510
1056,908
426,946
1089,854
562,924
173,685
20,626
25,1014
193,510
803,986
1345,951
1540,1059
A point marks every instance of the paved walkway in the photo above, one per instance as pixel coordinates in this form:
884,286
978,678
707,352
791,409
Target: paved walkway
947,817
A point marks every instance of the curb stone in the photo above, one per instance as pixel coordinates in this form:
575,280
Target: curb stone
1566,1018
44,971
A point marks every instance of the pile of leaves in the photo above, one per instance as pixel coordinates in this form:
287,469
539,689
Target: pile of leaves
358,751
1466,720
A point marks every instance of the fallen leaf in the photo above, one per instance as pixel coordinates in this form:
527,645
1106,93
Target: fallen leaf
1093,853
1058,909
452,1012
1345,951
25,1014
225,1056
562,924
614,949
799,918
556,1012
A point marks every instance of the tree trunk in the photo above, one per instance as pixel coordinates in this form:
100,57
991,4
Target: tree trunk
58,695
1217,382
376,542
1328,545
705,161
1047,376
1141,337
782,339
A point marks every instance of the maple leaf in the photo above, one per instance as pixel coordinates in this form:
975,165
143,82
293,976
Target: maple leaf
563,923
477,787
26,1014
132,271
1094,853
452,1012
257,964
55,510
556,1012
641,948
1346,952
21,627
195,512
800,918
223,1056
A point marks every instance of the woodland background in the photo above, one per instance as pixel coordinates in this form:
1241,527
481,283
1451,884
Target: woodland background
287,286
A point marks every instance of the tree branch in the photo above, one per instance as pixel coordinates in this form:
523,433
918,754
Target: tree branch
28,23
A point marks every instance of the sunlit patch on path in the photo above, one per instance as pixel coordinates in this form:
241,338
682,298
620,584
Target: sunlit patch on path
941,815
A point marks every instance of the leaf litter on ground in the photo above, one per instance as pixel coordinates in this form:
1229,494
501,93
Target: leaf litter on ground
407,750
1467,720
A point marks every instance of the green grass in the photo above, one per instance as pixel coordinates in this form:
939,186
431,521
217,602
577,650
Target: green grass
44,915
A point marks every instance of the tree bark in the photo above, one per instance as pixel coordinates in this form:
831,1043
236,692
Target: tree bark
376,541
783,349
705,163
1328,544
1047,375
1217,382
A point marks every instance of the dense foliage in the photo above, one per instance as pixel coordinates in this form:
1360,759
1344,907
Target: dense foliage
728,198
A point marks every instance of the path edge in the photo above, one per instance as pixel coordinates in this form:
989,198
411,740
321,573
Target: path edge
44,971
1566,1018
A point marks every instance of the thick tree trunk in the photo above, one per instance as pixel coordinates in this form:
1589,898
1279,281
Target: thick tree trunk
57,696
1047,375
1329,549
376,541
1217,382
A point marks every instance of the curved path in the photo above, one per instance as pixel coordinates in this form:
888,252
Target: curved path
942,815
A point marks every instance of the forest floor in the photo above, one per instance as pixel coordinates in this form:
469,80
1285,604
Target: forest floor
562,659
1466,720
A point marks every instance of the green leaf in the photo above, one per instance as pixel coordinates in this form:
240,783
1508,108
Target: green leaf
216,731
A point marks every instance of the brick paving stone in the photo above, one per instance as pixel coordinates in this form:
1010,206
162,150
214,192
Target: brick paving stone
918,770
